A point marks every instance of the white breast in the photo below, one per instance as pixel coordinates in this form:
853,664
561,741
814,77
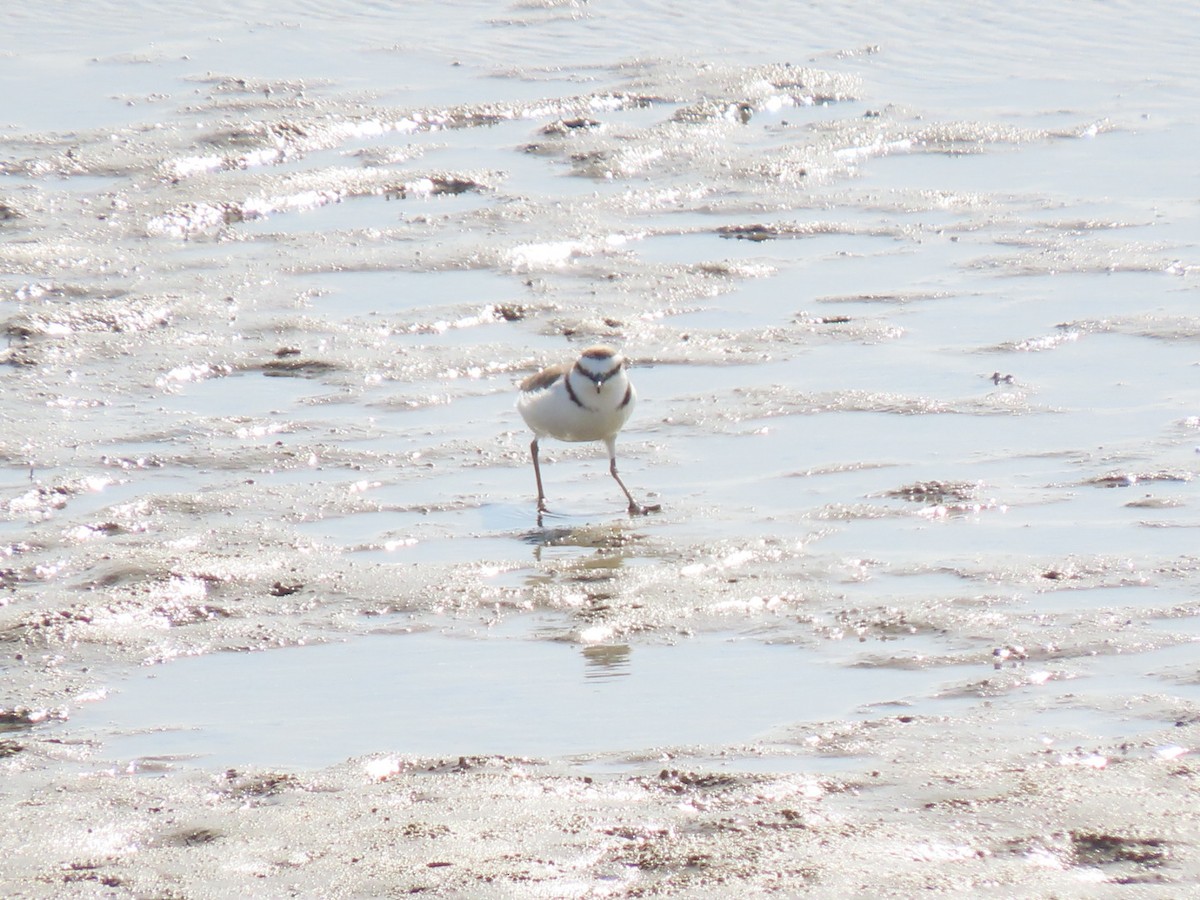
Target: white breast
581,413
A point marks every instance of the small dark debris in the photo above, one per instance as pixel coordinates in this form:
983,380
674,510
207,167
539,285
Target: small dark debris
287,351
447,185
748,232
935,492
279,589
424,830
592,160
233,213
18,357
566,126
678,781
1105,849
442,184
997,378
205,612
1013,653
1111,481
87,871
14,717
189,837
1127,479
287,130
257,785
297,368
510,312
19,330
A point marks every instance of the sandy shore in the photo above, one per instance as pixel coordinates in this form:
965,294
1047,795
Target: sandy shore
952,807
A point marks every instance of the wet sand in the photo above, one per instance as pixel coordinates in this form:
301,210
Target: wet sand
915,346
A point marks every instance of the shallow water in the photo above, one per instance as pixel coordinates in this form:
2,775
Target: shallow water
511,695
268,291
504,691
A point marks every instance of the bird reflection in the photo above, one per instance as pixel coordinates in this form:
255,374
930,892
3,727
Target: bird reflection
606,661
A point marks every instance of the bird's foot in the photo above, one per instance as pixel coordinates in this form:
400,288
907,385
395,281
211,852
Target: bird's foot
636,509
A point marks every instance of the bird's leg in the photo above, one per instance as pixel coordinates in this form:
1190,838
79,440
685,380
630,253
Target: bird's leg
635,508
537,473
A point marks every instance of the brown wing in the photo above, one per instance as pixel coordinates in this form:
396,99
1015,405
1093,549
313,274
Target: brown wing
539,381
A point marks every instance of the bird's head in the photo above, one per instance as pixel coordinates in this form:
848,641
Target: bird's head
599,364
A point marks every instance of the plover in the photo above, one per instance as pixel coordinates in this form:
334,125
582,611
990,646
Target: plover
589,400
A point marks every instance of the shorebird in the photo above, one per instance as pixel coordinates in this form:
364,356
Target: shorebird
589,400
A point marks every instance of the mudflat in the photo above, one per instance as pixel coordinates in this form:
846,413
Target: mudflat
910,300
